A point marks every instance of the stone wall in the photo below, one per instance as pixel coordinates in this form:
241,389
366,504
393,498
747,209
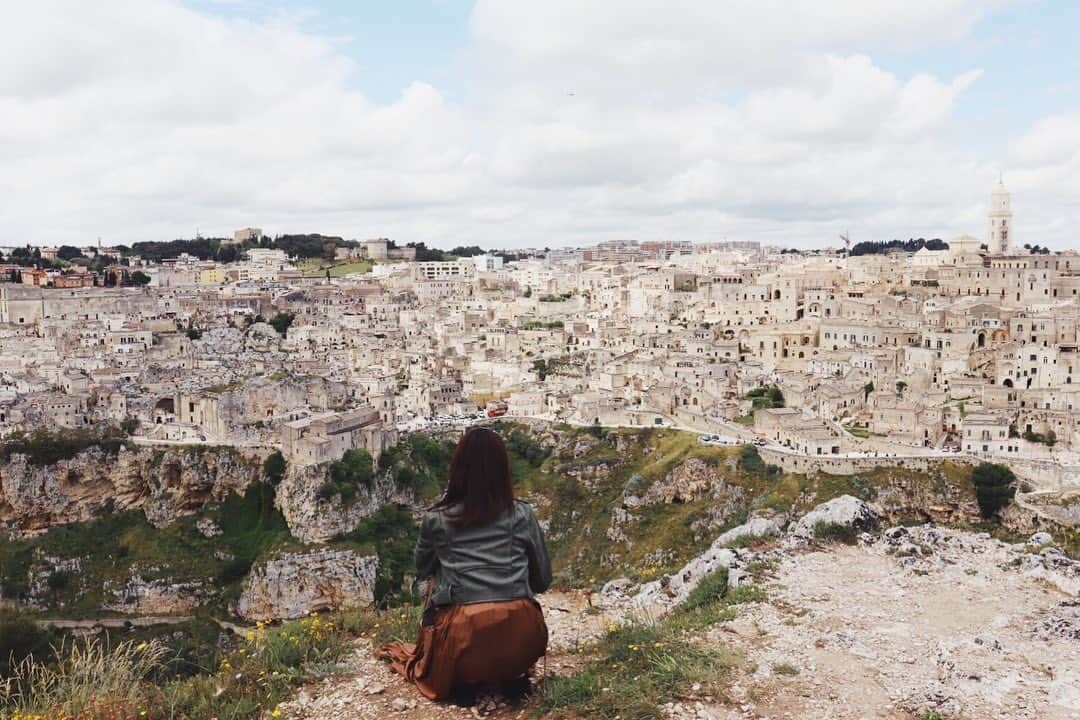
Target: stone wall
834,465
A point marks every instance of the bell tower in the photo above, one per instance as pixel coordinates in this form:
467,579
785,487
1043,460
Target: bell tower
1001,217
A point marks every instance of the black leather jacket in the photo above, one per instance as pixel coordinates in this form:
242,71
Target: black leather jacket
505,560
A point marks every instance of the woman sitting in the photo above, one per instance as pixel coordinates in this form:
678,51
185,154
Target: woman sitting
482,625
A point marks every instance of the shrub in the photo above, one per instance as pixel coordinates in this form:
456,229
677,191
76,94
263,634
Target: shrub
44,447
355,469
835,532
58,580
391,532
234,570
750,460
994,487
710,589
274,467
282,322
20,638
765,397
527,449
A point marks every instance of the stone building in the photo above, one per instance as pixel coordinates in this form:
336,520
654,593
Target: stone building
325,437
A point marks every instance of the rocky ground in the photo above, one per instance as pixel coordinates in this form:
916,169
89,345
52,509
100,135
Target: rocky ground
907,623
367,689
965,626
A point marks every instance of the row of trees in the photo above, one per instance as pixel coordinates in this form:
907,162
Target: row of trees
881,247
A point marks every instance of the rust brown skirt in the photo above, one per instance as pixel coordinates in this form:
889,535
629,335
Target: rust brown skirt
469,644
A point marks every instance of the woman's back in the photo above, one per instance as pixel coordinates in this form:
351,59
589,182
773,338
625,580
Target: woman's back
502,560
486,551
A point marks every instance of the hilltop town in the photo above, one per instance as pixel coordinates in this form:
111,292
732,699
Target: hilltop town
316,345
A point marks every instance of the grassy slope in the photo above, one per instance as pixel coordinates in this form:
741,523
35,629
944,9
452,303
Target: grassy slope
662,538
114,546
314,267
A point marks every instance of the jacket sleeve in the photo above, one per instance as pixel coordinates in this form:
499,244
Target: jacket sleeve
426,559
536,549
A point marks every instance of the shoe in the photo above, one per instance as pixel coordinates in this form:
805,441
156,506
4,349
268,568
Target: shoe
463,696
517,691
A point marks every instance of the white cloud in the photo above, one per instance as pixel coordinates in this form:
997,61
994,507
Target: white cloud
582,121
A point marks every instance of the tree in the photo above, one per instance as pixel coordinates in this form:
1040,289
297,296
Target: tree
69,252
355,469
994,487
228,253
281,322
139,278
901,386
867,389
329,250
274,467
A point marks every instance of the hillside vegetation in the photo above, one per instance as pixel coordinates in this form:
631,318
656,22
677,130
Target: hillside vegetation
615,502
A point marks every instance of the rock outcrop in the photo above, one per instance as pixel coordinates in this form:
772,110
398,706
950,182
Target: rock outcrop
689,481
754,527
161,596
313,519
165,484
845,511
661,596
907,497
296,584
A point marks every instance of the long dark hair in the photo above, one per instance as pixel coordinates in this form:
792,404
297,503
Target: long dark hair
478,489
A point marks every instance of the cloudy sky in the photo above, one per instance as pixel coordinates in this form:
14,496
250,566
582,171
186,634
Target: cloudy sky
510,123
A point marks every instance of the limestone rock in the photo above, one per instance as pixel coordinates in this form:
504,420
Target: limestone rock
663,595
313,519
689,481
1041,538
164,484
297,584
845,511
162,596
759,527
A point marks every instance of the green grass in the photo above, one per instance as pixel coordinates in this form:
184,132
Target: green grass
114,546
825,531
315,267
861,432
745,541
638,668
94,680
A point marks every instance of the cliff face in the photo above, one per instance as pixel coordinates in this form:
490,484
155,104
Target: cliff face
313,519
904,496
164,484
296,584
